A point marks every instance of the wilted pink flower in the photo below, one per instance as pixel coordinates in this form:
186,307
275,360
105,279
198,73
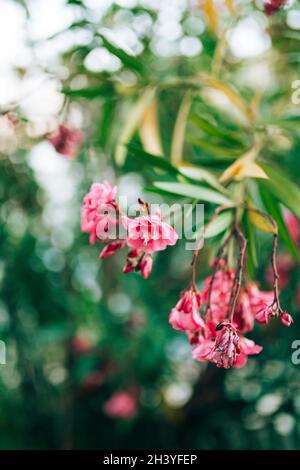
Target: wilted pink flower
66,141
227,346
146,266
148,233
122,405
98,208
286,319
185,315
272,6
111,249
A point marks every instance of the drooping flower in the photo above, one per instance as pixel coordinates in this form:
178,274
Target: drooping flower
217,292
66,141
122,405
286,319
99,210
247,348
148,233
111,249
264,315
272,6
146,266
185,315
227,346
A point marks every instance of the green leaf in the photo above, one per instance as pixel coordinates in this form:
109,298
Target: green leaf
213,131
195,192
280,185
197,173
129,61
274,209
219,224
216,150
154,160
132,123
90,93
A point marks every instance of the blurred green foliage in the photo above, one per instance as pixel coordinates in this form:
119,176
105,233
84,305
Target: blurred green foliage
53,287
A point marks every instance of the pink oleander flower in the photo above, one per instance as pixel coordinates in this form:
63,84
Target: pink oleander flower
81,344
259,299
202,352
98,210
146,266
286,319
185,315
217,290
111,249
243,319
272,6
122,405
263,315
227,346
148,233
247,348
66,141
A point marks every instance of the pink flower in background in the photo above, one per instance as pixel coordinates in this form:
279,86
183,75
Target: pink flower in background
286,319
243,319
148,233
272,6
122,405
293,225
99,207
81,344
66,141
259,299
285,266
185,315
227,346
203,351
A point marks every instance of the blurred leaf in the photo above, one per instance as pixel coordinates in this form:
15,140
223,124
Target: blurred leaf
262,221
129,61
219,224
244,167
215,150
195,192
211,13
200,174
153,160
90,93
280,185
179,129
250,234
232,95
132,123
213,130
272,206
149,130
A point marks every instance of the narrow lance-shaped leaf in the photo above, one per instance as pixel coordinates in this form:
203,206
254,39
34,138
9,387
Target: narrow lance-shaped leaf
179,129
195,192
132,122
287,192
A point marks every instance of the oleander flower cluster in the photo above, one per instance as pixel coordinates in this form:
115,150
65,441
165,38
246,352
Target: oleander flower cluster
215,319
145,234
